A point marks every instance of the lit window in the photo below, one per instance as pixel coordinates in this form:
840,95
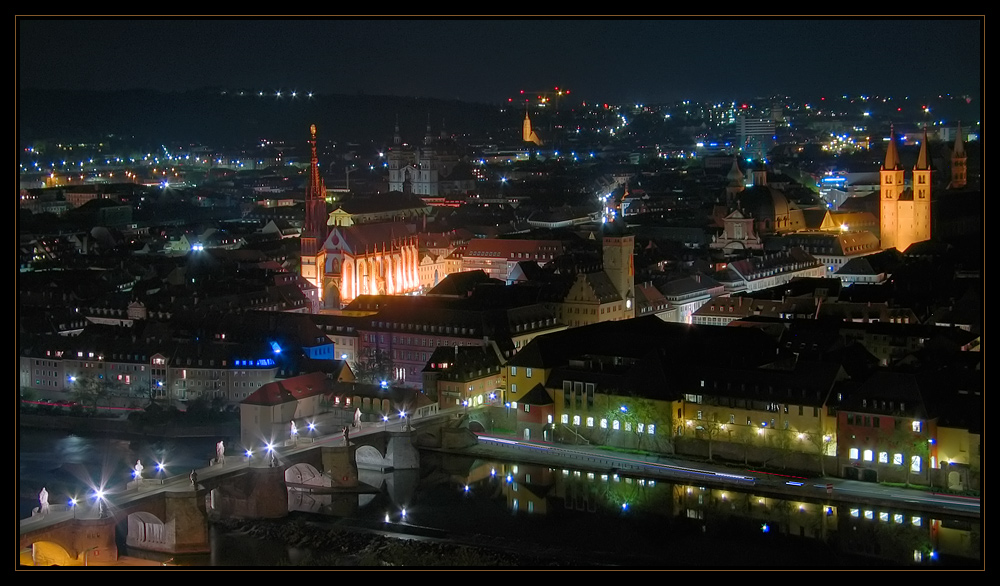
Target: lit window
615,425
870,515
853,454
883,457
855,513
628,426
898,518
897,459
527,372
549,418
868,456
590,422
641,428
576,420
915,464
884,517
564,418
651,429
916,427
513,405
916,522
604,423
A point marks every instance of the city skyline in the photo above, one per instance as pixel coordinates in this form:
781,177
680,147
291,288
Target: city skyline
491,61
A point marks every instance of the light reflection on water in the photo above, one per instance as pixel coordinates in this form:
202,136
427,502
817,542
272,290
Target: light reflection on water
497,503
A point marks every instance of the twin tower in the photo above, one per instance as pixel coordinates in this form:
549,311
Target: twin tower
905,213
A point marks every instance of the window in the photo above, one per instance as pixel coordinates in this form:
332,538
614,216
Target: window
513,371
604,423
732,418
527,372
564,418
916,427
615,425
853,454
651,429
868,456
641,428
590,422
915,464
628,426
527,407
883,457
699,415
897,459
576,420
513,388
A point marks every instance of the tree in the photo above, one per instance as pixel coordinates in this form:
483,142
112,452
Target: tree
746,435
375,368
710,428
91,392
819,441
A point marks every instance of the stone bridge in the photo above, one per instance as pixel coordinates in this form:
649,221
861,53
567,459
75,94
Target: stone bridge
171,516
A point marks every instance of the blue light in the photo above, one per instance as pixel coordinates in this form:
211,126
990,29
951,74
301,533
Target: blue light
764,528
276,347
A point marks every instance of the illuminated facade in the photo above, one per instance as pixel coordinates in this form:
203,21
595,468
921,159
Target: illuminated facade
527,134
905,214
369,259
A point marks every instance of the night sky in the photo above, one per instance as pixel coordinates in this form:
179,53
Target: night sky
650,61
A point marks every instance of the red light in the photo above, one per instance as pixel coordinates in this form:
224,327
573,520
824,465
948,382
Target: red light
510,99
522,91
743,106
822,98
899,109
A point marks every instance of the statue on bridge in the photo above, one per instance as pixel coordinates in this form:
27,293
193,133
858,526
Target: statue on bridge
194,479
137,471
43,501
294,430
220,452
347,436
357,419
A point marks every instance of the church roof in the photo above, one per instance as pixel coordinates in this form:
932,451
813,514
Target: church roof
361,238
959,149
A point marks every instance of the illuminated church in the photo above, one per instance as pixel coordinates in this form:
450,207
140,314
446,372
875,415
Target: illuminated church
905,213
343,262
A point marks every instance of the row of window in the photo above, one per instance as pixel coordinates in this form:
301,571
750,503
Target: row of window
883,458
616,425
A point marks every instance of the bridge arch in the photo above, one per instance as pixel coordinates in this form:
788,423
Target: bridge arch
146,530
369,457
305,474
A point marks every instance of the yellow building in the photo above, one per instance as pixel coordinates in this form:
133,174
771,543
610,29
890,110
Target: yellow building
905,214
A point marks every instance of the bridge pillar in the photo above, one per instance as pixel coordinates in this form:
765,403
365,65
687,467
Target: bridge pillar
400,453
186,513
256,493
339,463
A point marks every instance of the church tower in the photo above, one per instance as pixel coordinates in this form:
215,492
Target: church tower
922,195
527,134
891,185
958,176
312,258
737,183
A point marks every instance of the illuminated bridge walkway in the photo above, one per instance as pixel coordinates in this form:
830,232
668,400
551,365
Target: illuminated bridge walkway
171,515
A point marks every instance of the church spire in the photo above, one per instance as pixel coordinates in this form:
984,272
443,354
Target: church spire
923,162
397,139
891,156
959,149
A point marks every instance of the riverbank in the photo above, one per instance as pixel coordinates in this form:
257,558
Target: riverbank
359,547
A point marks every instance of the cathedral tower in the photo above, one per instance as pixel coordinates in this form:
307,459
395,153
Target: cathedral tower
891,184
922,195
312,254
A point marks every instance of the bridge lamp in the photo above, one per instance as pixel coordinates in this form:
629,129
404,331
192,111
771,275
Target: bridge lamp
311,426
248,454
269,447
72,505
403,513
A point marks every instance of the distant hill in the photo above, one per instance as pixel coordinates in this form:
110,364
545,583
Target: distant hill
209,116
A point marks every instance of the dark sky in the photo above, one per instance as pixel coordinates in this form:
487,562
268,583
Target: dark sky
651,60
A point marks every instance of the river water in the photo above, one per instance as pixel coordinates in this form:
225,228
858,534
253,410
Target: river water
569,515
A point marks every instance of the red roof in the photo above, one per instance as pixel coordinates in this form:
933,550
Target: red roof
290,389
